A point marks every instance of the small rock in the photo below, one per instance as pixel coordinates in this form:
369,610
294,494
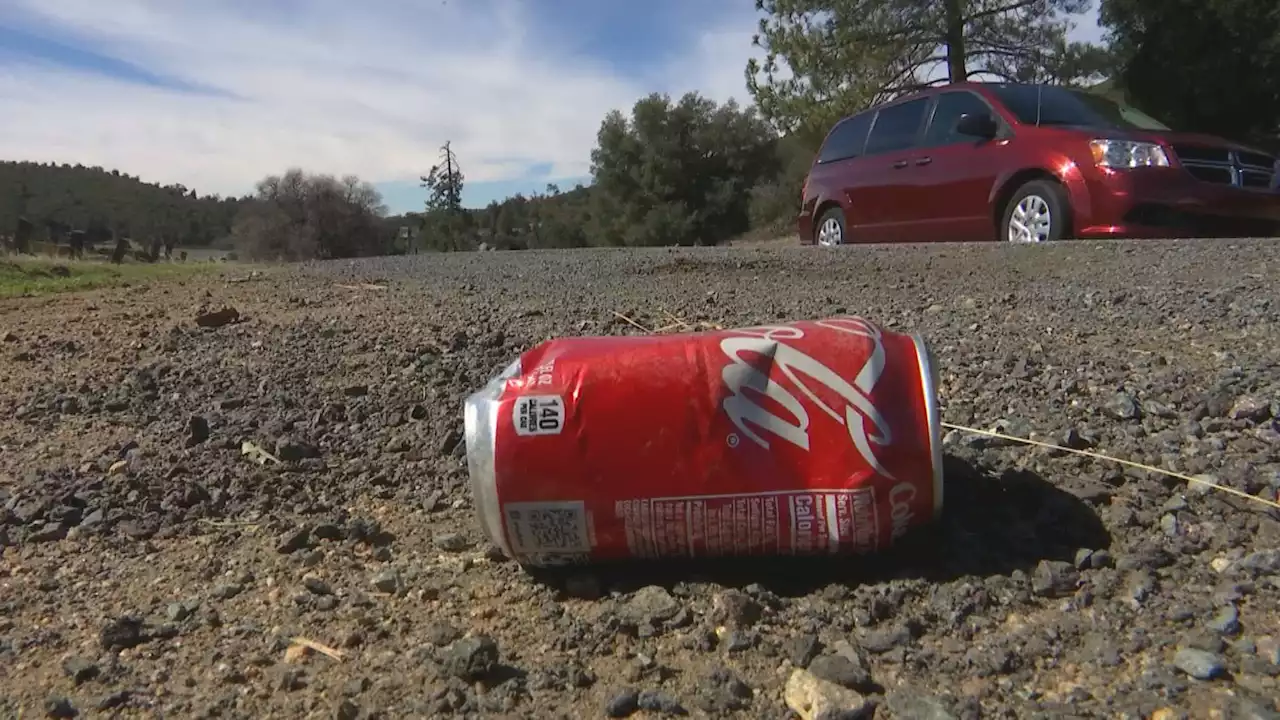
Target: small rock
739,640
1123,407
347,710
294,540
1262,562
290,679
1054,578
843,671
291,450
441,633
451,542
197,430
218,318
178,611
813,698
907,702
1268,648
80,670
1205,640
125,632
60,707
226,591
328,531
1199,664
1075,440
651,604
736,609
115,700
623,704
1204,485
387,581
316,585
471,658
49,532
882,640
802,650
1227,621
1251,408
656,701
137,529
722,692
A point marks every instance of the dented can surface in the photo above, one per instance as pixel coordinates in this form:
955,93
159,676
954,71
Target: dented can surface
813,437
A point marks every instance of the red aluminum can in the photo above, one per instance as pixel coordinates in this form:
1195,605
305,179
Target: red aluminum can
814,437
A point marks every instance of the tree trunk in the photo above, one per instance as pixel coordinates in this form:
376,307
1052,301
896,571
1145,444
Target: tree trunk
954,18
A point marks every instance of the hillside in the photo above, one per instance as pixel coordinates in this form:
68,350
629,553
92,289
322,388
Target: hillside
59,198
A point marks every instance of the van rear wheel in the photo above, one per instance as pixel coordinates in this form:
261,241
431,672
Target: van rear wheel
1037,212
830,229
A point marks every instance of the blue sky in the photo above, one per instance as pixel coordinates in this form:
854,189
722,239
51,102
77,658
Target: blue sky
216,94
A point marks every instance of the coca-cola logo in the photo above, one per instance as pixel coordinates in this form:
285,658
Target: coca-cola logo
865,424
900,512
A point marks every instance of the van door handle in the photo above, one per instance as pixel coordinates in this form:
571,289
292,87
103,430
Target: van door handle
924,160
900,164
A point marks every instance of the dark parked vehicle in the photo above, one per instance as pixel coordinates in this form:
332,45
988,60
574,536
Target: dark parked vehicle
1028,163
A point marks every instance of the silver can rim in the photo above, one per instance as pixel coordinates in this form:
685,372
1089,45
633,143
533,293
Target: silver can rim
480,428
929,387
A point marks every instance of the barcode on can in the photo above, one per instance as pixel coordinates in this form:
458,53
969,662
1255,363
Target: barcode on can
538,415
547,527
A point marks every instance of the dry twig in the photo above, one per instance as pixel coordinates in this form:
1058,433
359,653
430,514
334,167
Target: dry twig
318,647
629,321
1108,458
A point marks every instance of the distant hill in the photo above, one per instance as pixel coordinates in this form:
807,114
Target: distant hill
59,198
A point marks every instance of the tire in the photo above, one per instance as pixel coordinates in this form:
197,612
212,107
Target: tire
1037,212
832,221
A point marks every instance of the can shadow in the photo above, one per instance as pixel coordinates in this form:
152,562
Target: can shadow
993,523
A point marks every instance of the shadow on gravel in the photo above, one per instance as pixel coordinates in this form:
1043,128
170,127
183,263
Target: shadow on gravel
992,524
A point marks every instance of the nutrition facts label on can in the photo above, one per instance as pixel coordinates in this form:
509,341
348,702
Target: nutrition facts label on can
801,523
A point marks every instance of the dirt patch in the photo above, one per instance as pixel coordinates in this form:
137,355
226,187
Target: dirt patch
151,566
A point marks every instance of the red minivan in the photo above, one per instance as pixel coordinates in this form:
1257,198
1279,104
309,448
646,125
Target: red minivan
1020,162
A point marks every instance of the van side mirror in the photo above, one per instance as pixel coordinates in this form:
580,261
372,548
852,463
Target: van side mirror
977,125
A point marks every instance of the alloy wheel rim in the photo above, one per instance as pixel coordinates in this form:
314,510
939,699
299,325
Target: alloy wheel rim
829,233
1031,221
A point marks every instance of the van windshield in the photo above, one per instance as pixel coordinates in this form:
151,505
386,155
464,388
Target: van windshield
1064,106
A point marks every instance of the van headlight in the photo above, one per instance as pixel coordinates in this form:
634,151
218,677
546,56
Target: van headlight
1124,154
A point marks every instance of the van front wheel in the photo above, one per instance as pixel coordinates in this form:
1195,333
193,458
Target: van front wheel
830,229
1036,213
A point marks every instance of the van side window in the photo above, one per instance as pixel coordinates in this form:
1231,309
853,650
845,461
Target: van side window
942,128
896,127
846,140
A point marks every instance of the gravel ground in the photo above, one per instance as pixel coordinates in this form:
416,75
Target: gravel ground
150,568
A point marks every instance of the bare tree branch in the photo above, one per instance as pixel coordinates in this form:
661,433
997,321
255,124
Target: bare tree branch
999,10
989,71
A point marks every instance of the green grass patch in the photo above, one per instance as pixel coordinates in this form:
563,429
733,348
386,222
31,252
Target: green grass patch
28,277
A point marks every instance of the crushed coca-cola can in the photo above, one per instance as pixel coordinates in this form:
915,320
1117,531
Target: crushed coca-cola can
813,437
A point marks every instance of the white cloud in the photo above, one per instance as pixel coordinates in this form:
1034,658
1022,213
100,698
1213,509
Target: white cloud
371,88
